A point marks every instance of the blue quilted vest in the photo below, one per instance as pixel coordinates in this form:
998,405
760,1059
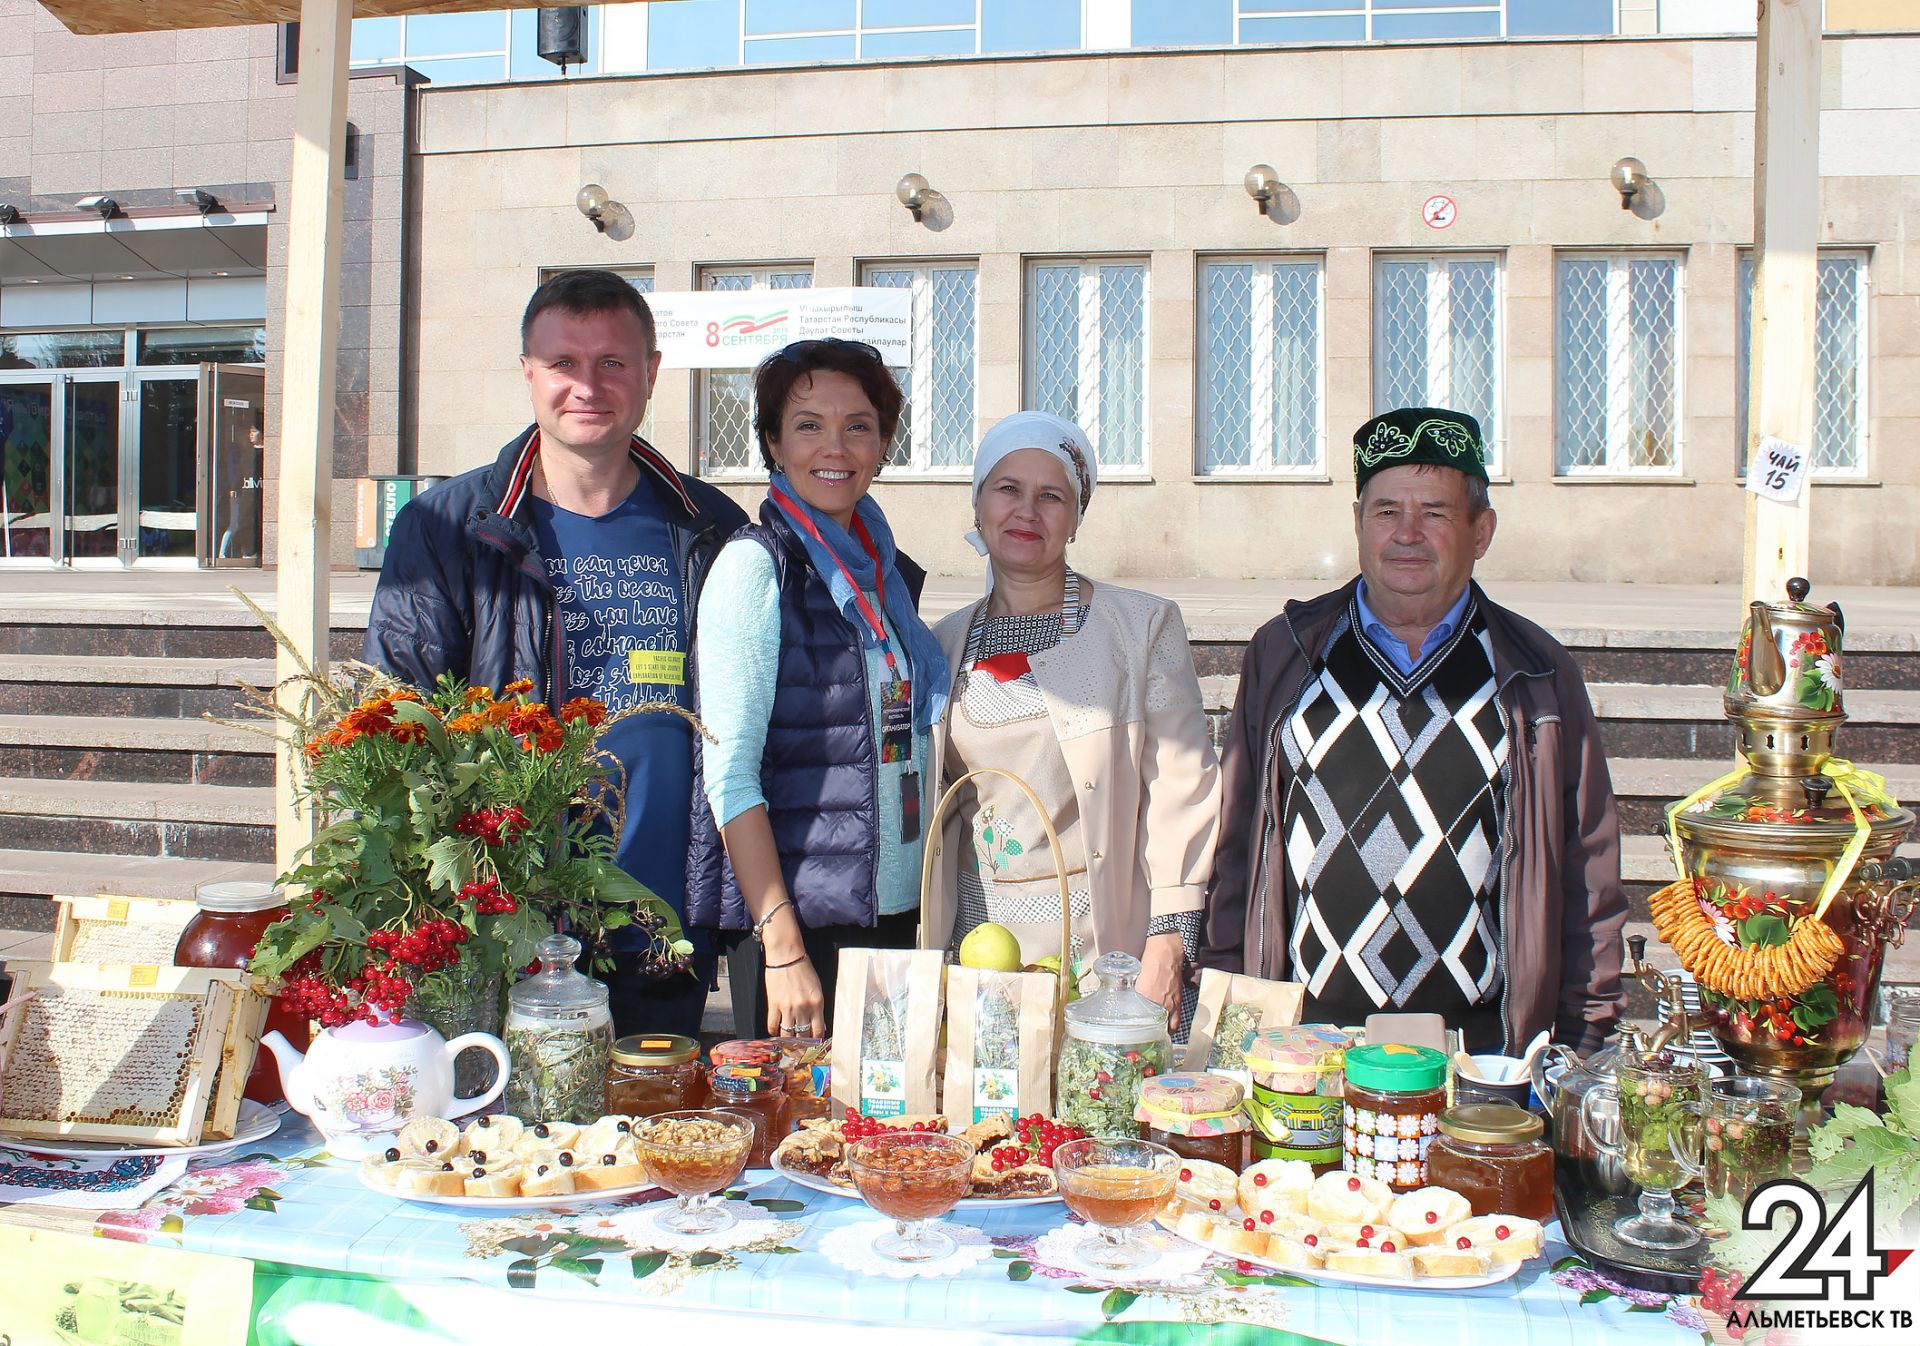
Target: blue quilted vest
818,772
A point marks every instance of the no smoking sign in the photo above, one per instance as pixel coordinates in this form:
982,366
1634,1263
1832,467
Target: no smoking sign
1439,212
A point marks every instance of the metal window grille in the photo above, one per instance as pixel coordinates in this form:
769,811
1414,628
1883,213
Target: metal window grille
1839,369
725,396
1439,340
1087,354
938,416
1260,375
1617,365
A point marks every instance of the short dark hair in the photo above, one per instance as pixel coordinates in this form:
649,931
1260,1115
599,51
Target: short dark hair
584,293
773,384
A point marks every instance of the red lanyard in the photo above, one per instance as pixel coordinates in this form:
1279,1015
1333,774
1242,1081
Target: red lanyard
800,520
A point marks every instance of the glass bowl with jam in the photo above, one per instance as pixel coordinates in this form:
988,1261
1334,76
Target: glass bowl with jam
1115,1185
912,1178
694,1154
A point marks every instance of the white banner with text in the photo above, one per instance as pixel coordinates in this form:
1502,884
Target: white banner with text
736,329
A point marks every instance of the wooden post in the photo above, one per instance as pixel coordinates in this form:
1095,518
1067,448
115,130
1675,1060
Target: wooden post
308,353
1786,222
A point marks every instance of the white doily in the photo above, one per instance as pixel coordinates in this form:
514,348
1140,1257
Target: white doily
1175,1260
851,1246
752,1225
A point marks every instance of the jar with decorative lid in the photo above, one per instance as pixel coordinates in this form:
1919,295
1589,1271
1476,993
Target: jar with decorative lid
1395,1094
559,1033
1196,1116
1299,1082
759,1092
1116,1039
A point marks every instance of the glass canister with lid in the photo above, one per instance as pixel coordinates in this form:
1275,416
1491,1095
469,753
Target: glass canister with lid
759,1092
655,1072
1391,1113
559,1033
1116,1039
1299,1083
1493,1154
233,914
1196,1116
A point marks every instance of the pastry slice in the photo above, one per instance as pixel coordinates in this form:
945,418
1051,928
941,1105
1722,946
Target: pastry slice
1506,1238
501,1179
603,1135
546,1176
813,1150
559,1135
1275,1185
422,1178
429,1138
1450,1261
1370,1262
1199,1226
1425,1214
989,1131
1237,1240
379,1171
496,1133
1287,1225
1348,1198
609,1171
1294,1255
1207,1185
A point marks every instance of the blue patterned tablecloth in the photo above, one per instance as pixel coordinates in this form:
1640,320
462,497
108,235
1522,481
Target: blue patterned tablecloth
462,1276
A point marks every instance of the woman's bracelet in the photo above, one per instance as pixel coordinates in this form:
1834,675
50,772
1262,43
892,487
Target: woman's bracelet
779,967
760,925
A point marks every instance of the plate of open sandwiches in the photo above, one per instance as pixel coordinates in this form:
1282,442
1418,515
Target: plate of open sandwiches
1344,1229
503,1163
1012,1163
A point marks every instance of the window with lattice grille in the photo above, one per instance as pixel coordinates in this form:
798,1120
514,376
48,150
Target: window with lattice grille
937,419
1260,366
1438,338
725,396
1087,352
1616,361
1839,366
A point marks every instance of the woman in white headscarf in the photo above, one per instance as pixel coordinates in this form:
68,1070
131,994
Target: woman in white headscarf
1088,693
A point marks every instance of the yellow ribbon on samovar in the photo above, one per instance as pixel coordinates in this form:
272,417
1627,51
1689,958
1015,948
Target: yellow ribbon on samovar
1674,811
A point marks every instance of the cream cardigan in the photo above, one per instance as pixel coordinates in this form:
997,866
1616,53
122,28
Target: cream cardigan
1126,708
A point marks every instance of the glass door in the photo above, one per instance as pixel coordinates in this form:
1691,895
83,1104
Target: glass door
233,424
161,519
27,462
92,465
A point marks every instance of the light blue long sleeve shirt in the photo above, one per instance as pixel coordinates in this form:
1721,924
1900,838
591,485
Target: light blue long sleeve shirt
737,657
1395,648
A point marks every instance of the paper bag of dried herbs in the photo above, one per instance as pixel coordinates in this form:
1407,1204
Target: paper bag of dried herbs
1232,1008
1002,1037
886,1031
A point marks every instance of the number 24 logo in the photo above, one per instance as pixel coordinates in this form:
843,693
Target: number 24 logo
1816,1251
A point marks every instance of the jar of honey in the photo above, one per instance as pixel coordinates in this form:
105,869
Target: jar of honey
1195,1116
761,1093
1493,1155
1391,1113
804,1059
233,914
653,1073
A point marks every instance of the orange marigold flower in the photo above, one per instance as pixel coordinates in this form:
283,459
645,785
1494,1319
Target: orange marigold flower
404,694
479,694
518,687
544,738
408,731
584,708
467,724
498,713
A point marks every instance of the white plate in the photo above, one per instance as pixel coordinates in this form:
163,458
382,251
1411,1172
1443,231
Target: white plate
1320,1275
256,1122
751,1178
819,1184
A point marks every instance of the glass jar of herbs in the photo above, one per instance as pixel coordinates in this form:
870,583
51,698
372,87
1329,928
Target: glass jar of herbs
559,1033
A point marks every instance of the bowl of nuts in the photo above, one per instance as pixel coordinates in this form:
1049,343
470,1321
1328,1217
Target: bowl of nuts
912,1177
693,1155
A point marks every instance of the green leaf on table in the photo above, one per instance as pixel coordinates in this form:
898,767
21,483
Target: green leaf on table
1595,1295
1571,1261
778,1205
534,1245
1116,1303
1086,1289
645,1264
1848,1121
1903,1103
1764,931
521,1274
1019,1271
270,1194
1646,1308
261,1202
705,1258
586,1268
783,1248
589,1245
1006,1253
173,1224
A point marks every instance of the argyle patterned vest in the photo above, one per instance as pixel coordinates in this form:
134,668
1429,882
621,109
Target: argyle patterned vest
1392,825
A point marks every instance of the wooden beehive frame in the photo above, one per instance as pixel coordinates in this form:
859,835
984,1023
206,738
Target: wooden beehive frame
137,930
90,989
242,1044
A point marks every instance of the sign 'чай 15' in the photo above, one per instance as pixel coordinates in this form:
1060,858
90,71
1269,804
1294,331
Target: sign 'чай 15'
736,329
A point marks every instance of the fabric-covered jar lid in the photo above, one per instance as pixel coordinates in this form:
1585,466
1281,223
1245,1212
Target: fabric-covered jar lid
1314,1047
1394,1068
1191,1105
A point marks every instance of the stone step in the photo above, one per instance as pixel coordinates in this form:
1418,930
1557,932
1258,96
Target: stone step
40,873
198,822
133,748
155,635
97,685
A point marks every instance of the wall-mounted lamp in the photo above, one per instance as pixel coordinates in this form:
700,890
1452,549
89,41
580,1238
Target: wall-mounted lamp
105,206
9,213
608,215
914,192
199,198
1630,179
1261,183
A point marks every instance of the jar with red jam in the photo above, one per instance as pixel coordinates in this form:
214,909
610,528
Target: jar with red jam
233,915
1196,1116
761,1093
1391,1112
804,1059
651,1073
1493,1155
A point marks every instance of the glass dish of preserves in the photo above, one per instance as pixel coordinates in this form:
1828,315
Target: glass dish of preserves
1493,1155
693,1155
655,1072
1196,1117
1116,1186
912,1178
1391,1114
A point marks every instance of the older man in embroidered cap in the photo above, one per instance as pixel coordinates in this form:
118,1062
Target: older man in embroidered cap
1416,809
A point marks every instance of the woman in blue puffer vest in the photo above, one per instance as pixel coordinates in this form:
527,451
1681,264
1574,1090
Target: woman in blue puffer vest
821,684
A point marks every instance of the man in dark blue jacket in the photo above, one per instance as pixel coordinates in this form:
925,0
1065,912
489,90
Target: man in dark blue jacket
576,560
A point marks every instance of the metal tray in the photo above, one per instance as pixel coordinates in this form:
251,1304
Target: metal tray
1586,1222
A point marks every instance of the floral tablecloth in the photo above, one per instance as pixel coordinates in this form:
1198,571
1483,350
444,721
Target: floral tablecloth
335,1261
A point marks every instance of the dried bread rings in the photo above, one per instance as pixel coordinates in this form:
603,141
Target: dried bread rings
1756,973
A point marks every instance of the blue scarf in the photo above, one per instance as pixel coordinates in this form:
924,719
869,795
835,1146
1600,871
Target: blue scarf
926,661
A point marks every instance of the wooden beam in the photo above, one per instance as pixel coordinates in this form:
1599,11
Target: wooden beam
1786,216
307,394
88,17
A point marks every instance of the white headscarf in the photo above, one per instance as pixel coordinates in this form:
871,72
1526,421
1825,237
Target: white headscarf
1036,430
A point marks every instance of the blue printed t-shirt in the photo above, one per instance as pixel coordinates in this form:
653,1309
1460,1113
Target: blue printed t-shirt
624,630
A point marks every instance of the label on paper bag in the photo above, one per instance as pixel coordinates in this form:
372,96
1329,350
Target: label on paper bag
1778,470
995,1092
883,1088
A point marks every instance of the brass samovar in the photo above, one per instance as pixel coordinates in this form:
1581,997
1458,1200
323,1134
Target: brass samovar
1791,894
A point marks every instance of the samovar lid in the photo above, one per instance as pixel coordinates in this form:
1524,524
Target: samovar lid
1802,815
